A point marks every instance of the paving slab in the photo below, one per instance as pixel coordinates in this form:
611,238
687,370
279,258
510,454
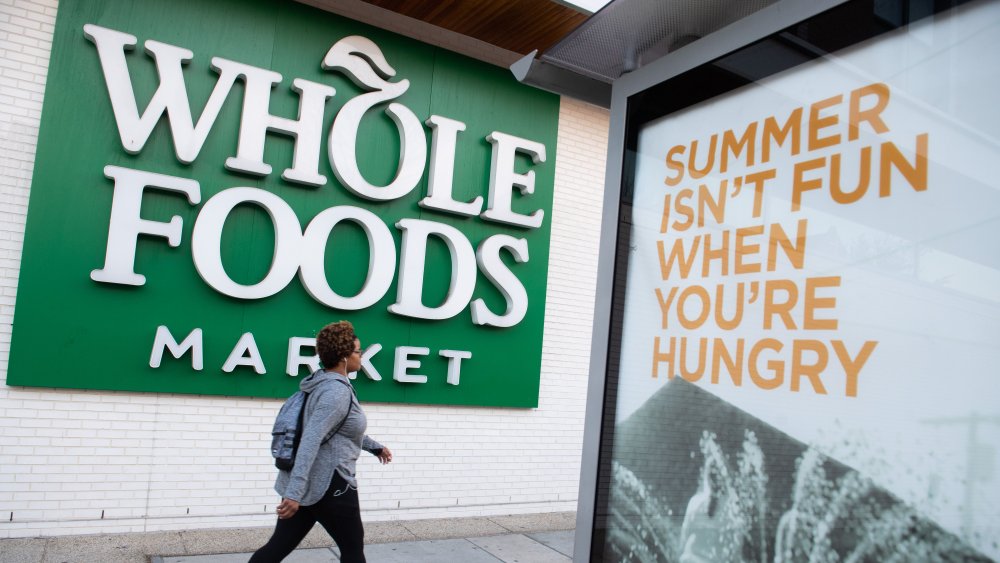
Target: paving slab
388,541
315,555
518,548
234,540
113,548
454,528
429,551
389,531
22,550
546,522
561,541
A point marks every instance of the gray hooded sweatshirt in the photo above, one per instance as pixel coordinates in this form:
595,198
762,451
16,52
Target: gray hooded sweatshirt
330,397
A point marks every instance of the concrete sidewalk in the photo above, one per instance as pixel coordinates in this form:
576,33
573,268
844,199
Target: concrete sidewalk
538,538
540,547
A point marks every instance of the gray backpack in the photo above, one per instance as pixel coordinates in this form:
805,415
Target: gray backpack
288,427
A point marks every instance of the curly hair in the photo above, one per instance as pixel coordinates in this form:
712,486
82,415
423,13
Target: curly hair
335,342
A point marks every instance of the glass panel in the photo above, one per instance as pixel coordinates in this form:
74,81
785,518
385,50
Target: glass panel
806,364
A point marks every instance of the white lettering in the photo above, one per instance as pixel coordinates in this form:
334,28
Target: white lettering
366,363
125,225
300,252
245,353
257,122
164,339
207,236
170,97
503,179
455,358
412,266
296,359
302,353
442,172
488,257
403,363
381,264
362,60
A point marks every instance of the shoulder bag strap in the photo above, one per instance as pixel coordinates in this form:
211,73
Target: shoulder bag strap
350,405
301,423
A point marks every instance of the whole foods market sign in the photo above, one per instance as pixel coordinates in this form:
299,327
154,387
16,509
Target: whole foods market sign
202,205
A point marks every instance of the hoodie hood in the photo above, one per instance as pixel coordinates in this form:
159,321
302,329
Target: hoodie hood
316,378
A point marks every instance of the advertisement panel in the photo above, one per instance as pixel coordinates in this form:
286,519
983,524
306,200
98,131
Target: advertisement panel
811,316
215,182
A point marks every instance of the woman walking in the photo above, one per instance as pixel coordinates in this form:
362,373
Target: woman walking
321,486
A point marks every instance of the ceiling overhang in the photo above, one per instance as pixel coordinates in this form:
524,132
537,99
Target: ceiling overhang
548,44
499,32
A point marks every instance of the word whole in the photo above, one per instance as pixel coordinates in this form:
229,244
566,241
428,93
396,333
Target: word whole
299,250
751,292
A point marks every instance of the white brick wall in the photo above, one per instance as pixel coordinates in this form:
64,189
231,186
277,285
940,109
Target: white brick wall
98,462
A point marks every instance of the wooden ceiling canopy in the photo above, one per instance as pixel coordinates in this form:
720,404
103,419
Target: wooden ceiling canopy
516,25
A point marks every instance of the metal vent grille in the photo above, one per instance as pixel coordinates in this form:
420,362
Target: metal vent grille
626,34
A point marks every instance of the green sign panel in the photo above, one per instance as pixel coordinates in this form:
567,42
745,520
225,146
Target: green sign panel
216,181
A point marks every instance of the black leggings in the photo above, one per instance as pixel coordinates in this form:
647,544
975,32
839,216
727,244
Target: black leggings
338,512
